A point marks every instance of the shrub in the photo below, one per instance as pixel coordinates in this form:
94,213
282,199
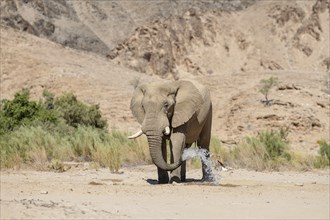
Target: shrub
22,112
323,160
324,149
275,142
269,150
301,161
75,112
250,153
47,112
35,132
266,86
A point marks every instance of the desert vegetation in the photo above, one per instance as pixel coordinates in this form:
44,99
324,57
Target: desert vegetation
44,134
54,130
269,150
265,86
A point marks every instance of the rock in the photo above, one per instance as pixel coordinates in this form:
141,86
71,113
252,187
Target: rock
270,64
95,183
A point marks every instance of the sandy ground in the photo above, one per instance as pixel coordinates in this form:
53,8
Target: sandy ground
85,193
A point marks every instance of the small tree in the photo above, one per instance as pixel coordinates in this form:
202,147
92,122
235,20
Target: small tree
266,86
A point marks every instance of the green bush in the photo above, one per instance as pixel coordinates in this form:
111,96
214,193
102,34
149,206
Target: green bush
252,154
324,149
323,160
75,112
61,129
22,112
269,150
54,128
275,143
49,111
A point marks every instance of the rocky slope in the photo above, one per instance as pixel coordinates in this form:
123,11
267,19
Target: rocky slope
293,35
96,26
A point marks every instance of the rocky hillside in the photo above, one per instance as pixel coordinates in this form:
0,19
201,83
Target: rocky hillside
96,26
293,35
101,49
166,37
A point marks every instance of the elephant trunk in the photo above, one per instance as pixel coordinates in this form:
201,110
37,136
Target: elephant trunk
155,146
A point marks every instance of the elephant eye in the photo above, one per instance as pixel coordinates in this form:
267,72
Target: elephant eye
166,105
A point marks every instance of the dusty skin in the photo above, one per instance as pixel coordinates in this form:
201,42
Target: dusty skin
88,193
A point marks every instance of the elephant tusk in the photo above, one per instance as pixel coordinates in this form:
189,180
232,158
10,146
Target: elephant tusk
137,134
167,130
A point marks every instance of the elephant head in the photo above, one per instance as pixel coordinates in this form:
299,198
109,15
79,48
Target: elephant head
161,107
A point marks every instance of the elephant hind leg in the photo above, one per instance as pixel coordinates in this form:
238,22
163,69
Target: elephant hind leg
205,135
183,171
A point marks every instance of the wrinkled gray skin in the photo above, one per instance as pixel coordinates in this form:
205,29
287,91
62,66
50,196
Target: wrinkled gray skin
183,106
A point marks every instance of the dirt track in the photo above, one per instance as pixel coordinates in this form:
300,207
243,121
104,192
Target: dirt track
81,193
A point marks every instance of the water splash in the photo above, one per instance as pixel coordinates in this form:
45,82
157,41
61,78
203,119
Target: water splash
204,155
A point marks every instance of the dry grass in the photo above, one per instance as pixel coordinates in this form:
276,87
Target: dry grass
137,152
42,150
37,148
268,151
38,158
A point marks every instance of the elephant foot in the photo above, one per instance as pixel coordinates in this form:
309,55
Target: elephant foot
183,178
163,181
208,178
175,179
162,176
179,175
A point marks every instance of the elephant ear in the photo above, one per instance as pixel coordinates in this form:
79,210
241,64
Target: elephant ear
136,104
188,101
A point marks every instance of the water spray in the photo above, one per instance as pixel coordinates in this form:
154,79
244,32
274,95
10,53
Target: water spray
204,156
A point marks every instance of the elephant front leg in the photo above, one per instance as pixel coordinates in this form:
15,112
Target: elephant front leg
163,177
177,144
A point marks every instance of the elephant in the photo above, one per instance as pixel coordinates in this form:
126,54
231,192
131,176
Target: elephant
178,112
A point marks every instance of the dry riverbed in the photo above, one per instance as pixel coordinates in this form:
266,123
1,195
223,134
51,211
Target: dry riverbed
133,194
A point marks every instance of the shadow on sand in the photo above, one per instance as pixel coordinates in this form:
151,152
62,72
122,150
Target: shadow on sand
191,181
